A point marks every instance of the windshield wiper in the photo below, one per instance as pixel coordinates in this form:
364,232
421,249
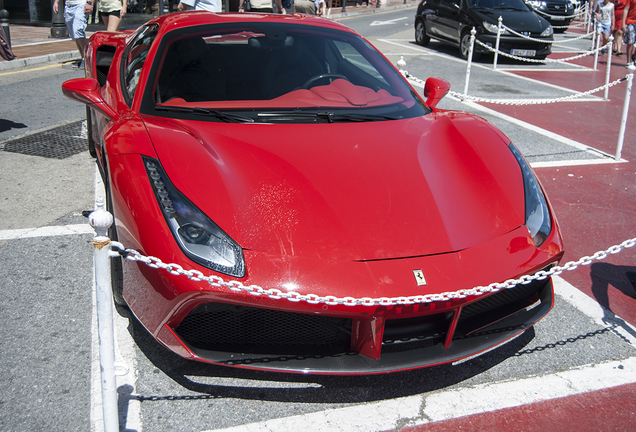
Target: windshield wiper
224,116
328,116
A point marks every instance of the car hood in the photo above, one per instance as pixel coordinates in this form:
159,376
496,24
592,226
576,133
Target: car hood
521,21
366,191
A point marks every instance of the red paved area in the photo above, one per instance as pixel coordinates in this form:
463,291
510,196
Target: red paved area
608,410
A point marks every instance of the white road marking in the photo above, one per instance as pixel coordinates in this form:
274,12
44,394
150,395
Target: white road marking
48,231
448,404
388,22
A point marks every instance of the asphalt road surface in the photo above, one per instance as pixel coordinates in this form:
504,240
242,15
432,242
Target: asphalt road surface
50,374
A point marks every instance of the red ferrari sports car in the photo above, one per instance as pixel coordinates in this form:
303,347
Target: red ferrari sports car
285,152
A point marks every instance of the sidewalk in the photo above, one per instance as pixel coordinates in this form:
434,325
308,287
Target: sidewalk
33,46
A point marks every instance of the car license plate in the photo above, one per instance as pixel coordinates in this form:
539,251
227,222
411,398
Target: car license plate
557,18
523,53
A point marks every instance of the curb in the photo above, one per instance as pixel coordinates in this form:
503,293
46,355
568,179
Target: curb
39,60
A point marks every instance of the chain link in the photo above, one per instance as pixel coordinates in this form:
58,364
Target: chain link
276,294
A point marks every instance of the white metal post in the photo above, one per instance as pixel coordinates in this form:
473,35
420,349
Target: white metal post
499,22
598,47
473,32
628,95
101,220
609,66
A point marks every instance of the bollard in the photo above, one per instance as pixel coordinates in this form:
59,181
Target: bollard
377,3
101,220
4,22
609,67
499,24
628,95
58,26
598,46
473,32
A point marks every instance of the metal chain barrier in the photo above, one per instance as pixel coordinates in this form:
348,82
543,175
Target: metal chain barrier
463,96
547,60
558,16
504,27
117,249
536,101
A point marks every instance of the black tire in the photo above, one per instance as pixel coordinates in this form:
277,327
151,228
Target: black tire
464,47
116,265
421,38
89,133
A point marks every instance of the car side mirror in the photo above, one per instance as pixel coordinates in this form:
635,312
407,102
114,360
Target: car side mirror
434,90
86,91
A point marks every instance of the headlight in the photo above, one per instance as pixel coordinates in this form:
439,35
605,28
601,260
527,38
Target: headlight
198,237
547,32
538,218
492,28
537,4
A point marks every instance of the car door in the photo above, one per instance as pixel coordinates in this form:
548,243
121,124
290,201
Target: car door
448,20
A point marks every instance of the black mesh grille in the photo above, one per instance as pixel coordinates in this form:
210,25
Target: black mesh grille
498,306
221,327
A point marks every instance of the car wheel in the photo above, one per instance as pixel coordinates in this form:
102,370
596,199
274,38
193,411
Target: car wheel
116,265
464,47
421,38
89,133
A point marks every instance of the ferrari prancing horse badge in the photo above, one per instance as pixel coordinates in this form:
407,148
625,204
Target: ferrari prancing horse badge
419,277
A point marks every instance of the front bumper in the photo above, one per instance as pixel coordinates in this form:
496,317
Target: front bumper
272,340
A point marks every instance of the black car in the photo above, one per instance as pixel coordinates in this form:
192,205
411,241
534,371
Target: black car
450,21
559,13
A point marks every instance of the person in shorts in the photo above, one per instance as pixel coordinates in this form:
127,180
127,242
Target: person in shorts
629,30
605,20
112,12
76,14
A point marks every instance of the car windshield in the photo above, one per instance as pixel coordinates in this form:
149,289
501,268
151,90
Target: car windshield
498,4
272,72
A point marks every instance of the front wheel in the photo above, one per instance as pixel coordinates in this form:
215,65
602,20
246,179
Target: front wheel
116,265
464,47
421,38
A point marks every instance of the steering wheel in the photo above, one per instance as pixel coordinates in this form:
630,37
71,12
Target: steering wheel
321,76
